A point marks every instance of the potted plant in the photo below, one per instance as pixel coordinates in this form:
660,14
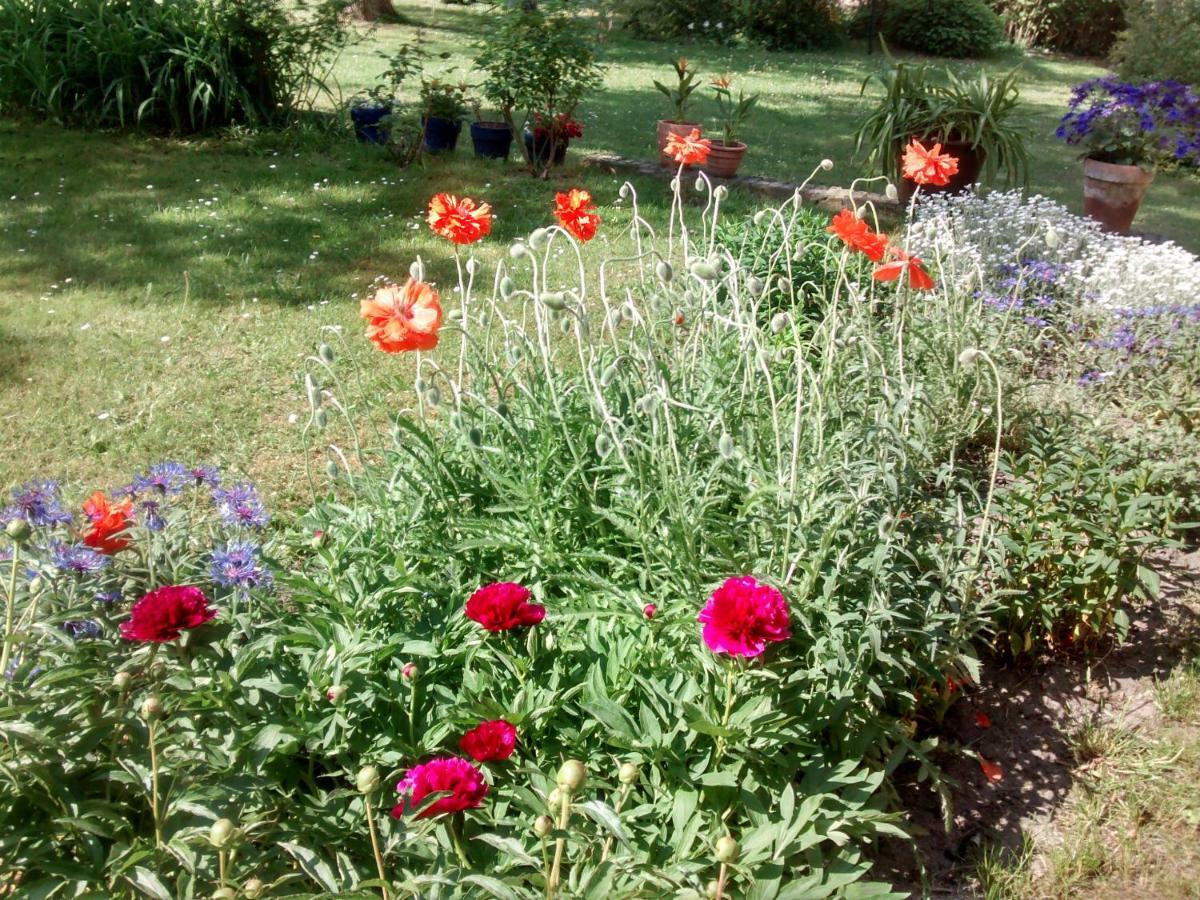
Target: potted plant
538,64
1126,130
442,108
727,152
971,118
680,97
492,138
371,111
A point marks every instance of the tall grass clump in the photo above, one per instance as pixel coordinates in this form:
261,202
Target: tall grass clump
178,65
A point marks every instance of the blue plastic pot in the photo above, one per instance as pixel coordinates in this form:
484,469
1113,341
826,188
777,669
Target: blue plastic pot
441,135
366,123
492,140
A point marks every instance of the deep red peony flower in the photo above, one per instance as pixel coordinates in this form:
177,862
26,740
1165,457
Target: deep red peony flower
489,741
459,784
108,521
918,278
857,235
688,150
163,615
504,605
743,616
932,167
460,220
403,318
576,213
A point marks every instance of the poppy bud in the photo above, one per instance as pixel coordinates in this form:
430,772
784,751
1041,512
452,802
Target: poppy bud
604,445
331,468
455,315
252,888
222,833
968,358
680,319
336,694
650,610
516,251
628,773
539,239
608,376
725,446
779,321
325,352
755,286
705,271
762,359
433,396
472,266
554,800
416,270
727,849
571,776
699,185
542,826
311,391
420,385
761,216
664,271
891,193
475,436
827,164
623,193
367,780
410,671
507,287
36,584
121,680
18,530
321,418
554,300
1052,238
151,708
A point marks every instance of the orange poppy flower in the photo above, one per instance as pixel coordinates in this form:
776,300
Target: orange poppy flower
991,770
108,520
932,167
576,213
403,318
689,150
918,278
857,235
460,220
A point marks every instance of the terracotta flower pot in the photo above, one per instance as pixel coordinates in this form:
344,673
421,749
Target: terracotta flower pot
724,160
970,165
665,128
1113,193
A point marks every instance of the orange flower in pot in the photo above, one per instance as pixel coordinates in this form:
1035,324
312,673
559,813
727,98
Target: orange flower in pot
727,153
680,96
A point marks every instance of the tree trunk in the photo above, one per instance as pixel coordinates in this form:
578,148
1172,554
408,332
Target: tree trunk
373,10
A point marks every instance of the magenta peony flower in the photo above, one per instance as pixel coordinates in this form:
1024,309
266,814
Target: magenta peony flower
489,741
163,615
743,616
503,606
459,785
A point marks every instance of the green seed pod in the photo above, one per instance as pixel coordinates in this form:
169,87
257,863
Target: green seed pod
475,436
433,396
628,773
151,708
326,353
18,530
572,776
331,468
539,239
554,800
367,780
121,680
705,271
664,271
727,849
725,446
507,287
542,826
321,418
222,833
252,888
554,300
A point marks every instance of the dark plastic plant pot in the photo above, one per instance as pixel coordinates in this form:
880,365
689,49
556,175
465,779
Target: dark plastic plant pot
970,166
366,121
546,152
441,135
492,140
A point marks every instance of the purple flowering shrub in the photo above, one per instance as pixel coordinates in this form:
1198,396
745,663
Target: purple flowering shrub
1133,123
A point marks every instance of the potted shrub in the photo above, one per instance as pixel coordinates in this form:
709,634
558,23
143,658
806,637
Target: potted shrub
492,138
371,111
727,152
538,64
680,97
971,118
442,108
1126,131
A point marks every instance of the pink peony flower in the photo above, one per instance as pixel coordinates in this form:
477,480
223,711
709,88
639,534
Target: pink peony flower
459,784
743,616
489,741
163,615
502,606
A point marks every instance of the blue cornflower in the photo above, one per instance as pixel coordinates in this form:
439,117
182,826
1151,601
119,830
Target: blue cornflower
238,565
77,558
151,516
108,597
81,629
38,503
14,668
164,478
241,505
208,476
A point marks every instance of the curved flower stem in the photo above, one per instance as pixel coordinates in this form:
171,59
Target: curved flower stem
373,829
608,842
11,605
721,879
456,840
730,676
221,861
154,811
560,845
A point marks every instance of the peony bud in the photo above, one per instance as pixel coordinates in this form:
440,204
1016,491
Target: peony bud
367,780
319,539
572,776
507,287
727,849
712,890
325,352
664,271
968,358
121,680
410,671
151,708
252,888
554,800
542,826
650,610
827,164
539,239
18,530
222,833
628,773
336,694
223,893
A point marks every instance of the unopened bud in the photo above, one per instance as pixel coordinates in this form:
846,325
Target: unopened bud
554,300
367,780
18,530
516,251
542,826
221,834
725,445
604,445
968,358
252,888
623,193
571,776
36,584
151,708
321,418
336,694
416,270
539,239
475,436
755,286
325,352
1052,238
721,192
761,216
705,271
311,391
554,800
318,540
331,468
779,321
712,890
891,193
608,376
433,396
223,893
472,266
628,773
727,849
827,164
121,680
507,287
699,185
650,610
410,671
664,271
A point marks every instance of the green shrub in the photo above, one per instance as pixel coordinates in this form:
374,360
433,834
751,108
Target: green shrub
1162,42
1082,27
662,20
954,28
182,65
792,24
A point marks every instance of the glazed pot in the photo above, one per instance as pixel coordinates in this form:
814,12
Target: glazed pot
724,160
665,128
1112,193
970,165
492,140
441,135
366,121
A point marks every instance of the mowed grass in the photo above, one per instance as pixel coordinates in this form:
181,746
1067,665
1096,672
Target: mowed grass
158,297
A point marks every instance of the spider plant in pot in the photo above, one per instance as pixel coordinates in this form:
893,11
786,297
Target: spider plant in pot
727,152
680,97
972,118
442,108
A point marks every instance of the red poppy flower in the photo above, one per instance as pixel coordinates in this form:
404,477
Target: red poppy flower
576,213
489,741
108,520
932,167
403,318
743,616
688,150
503,606
462,221
163,615
918,278
991,770
458,783
857,235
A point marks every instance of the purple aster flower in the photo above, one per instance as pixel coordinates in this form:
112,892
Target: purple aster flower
238,565
77,558
151,515
37,502
163,478
208,476
240,505
81,629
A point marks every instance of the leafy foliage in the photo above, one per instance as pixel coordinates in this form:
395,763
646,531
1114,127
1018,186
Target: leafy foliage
1162,42
954,28
1082,27
776,24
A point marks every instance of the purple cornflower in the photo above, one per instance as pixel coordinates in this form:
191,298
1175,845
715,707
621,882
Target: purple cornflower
208,476
38,503
77,558
151,515
1092,377
81,629
240,505
238,565
108,597
163,478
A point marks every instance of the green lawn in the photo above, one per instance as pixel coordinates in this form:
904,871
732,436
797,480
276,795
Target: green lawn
157,297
